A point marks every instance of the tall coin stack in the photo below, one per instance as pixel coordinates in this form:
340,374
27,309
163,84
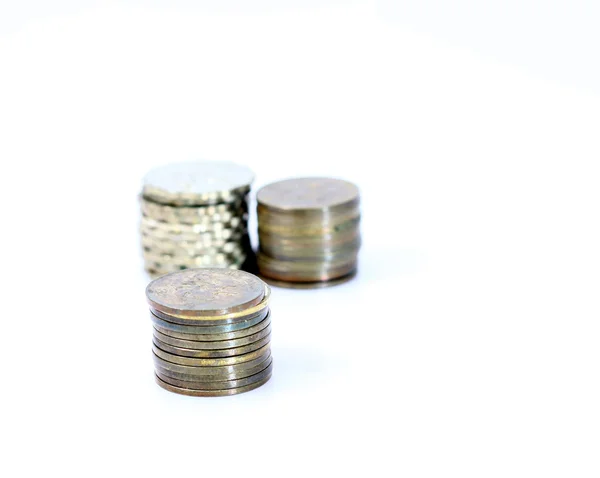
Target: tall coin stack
194,215
308,231
212,331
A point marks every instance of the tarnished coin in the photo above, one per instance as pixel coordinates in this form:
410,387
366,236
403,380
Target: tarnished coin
307,194
209,320
304,271
163,321
211,353
217,230
233,383
321,284
212,393
211,344
241,371
226,372
217,337
197,183
308,231
330,255
209,362
205,292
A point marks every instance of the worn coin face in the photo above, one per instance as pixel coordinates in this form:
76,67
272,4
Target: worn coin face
205,292
307,193
184,181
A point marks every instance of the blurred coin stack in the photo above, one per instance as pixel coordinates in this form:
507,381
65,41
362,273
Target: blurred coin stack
211,331
195,215
308,231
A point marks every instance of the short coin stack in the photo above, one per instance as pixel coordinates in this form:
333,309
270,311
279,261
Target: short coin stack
212,331
308,230
194,215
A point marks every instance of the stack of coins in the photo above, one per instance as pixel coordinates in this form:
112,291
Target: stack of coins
195,215
212,331
308,230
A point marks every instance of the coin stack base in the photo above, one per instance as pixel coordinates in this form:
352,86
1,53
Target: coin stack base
211,332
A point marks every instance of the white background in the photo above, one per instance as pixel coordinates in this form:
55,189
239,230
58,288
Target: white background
469,344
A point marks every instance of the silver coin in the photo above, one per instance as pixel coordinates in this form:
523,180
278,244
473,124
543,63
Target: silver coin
195,182
307,194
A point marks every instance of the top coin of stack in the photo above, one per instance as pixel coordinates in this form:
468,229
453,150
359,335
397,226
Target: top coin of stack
308,230
194,215
211,331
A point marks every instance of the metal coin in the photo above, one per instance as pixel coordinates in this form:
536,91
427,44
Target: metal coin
231,318
200,239
307,194
223,213
212,344
326,226
308,231
304,271
212,393
205,292
189,249
323,254
193,200
217,230
227,372
214,337
310,285
305,265
223,377
209,362
211,353
196,183
164,322
222,385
